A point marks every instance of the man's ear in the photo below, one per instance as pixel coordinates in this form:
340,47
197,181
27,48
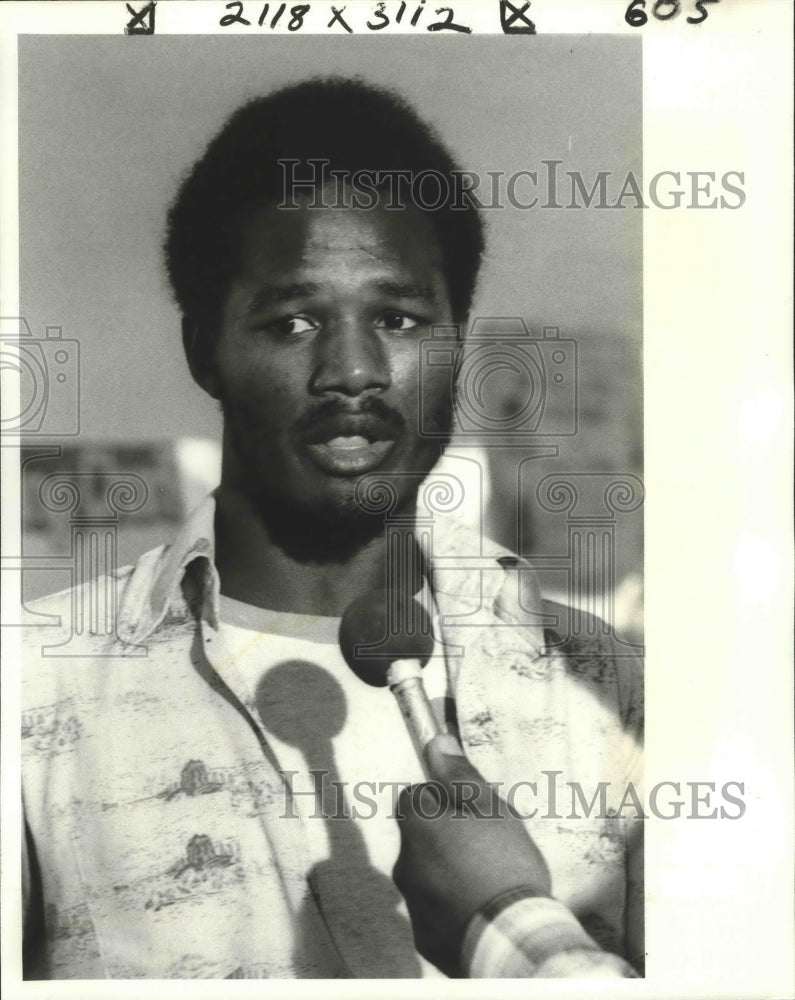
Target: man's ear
199,347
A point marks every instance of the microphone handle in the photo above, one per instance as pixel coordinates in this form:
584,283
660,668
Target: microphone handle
405,682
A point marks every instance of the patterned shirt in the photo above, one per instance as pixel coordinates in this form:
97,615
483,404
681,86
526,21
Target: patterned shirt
157,843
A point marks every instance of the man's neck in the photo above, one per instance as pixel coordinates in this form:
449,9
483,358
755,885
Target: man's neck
254,570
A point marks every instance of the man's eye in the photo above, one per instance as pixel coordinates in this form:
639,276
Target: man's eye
396,321
291,325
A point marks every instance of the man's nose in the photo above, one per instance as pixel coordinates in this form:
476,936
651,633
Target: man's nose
351,360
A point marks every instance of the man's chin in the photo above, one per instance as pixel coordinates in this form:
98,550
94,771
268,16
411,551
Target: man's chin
320,533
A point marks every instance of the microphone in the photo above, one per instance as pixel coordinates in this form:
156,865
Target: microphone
387,639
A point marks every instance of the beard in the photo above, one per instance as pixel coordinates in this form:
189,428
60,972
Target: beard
333,529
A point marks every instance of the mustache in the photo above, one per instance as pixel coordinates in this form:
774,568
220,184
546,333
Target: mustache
371,418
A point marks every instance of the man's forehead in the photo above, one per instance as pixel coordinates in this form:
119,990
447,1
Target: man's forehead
303,253
391,234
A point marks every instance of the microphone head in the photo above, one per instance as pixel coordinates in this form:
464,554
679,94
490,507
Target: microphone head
381,627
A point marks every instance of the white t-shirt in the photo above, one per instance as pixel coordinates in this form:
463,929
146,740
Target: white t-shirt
320,717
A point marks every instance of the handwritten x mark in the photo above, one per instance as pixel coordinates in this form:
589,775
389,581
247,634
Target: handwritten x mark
136,25
510,14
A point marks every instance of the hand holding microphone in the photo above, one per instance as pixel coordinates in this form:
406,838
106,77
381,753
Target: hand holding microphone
464,854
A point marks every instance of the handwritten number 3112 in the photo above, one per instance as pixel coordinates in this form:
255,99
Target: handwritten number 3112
663,10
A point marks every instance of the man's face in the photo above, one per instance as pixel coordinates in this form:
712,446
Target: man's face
317,365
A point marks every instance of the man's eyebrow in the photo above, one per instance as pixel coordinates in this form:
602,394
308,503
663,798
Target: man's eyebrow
269,295
274,294
421,292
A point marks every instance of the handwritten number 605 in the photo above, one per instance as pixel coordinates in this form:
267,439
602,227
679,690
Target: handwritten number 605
663,10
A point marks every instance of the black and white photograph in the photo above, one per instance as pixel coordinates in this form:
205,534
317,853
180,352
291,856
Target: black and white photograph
364,383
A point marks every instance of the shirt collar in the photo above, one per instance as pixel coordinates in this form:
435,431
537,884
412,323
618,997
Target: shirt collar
146,603
514,595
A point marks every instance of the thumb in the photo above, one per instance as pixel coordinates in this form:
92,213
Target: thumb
446,760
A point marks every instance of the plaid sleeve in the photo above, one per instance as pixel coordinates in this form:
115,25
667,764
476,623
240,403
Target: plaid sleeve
521,936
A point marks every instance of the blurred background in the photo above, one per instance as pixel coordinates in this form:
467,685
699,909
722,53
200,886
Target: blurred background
108,125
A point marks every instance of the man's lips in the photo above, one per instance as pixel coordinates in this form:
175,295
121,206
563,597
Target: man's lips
349,425
349,444
349,456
